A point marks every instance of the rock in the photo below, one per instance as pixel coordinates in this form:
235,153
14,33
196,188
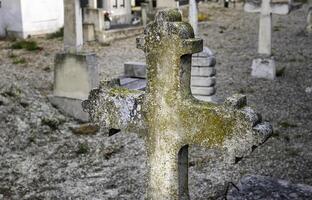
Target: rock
52,122
4,101
256,187
308,90
85,129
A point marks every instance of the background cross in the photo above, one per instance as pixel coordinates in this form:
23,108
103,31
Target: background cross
169,116
266,9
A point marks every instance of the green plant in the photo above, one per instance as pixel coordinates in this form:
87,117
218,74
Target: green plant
24,44
17,61
57,34
83,148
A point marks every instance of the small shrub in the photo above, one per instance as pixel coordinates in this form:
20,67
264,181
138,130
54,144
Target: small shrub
82,149
19,61
203,17
57,34
286,124
24,44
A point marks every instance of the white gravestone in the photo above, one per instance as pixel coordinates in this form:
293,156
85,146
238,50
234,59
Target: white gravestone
266,9
75,72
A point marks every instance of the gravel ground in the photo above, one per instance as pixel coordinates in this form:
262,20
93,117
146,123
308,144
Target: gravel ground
42,158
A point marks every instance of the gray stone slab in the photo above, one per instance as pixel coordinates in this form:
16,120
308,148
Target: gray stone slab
203,91
70,106
203,81
204,61
266,188
135,69
133,83
212,99
203,71
205,53
263,68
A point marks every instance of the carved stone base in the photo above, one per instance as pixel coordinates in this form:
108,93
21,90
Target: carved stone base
69,106
264,68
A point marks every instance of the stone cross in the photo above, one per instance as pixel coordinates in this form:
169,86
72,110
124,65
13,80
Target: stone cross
168,115
73,37
193,16
266,10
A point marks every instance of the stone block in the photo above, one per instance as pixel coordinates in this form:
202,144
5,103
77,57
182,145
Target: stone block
212,98
260,187
70,106
264,68
204,91
95,17
88,32
75,75
203,71
204,61
203,81
135,69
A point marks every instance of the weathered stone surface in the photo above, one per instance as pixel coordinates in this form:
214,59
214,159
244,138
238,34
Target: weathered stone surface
172,118
266,188
264,68
75,75
126,106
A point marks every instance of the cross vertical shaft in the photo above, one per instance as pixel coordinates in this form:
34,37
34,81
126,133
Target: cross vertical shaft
172,117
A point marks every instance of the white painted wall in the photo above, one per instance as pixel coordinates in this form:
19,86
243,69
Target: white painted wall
31,17
10,16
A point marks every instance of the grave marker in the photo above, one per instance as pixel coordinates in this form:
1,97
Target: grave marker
266,9
75,72
265,67
167,114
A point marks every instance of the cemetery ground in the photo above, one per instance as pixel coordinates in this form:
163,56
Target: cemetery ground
47,155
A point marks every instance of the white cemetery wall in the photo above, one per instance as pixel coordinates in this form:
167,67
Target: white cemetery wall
42,16
31,17
10,16
120,10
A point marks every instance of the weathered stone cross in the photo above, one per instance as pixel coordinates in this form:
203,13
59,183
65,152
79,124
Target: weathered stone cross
266,10
169,116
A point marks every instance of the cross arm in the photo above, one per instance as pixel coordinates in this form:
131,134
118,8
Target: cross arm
280,8
252,7
113,107
233,127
